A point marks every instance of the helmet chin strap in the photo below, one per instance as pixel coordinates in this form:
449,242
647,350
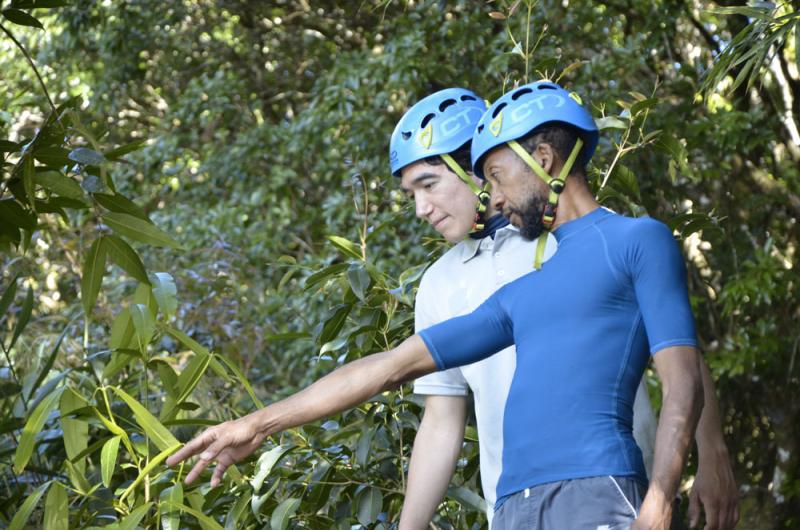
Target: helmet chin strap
482,193
556,185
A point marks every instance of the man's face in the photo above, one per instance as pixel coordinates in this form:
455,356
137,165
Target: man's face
440,198
516,191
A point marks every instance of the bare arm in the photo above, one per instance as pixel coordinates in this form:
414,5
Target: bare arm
436,450
681,380
343,388
714,485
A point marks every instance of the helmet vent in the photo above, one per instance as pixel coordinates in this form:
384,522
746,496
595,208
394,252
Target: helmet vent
521,92
500,107
446,103
426,119
480,128
467,98
545,86
406,135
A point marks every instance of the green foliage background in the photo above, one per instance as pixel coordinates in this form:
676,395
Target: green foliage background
196,216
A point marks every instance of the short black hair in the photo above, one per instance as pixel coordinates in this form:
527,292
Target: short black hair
460,155
561,137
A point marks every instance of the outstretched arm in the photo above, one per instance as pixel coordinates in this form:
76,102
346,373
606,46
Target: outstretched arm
345,387
714,485
681,383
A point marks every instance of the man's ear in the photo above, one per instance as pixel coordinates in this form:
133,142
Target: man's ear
544,155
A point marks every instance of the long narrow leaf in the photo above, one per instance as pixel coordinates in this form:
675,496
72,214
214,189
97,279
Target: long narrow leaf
123,255
155,462
24,512
151,426
51,359
56,510
202,518
108,460
138,229
24,317
241,377
32,428
94,268
132,520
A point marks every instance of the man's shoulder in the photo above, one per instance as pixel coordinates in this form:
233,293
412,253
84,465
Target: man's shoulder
635,229
450,260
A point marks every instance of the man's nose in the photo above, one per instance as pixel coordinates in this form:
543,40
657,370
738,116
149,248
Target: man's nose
498,200
422,206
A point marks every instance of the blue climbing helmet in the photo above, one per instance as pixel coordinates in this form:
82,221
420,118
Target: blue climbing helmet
522,111
526,108
437,126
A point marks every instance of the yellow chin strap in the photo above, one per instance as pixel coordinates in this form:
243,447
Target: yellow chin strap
556,185
482,193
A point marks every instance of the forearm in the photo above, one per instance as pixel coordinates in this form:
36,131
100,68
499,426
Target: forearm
433,459
709,436
347,387
681,408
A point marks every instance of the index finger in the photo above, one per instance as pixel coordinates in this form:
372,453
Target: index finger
190,449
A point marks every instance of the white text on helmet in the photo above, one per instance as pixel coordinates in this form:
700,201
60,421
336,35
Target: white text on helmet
452,125
526,109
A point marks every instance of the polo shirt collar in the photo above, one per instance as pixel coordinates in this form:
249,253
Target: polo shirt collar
471,247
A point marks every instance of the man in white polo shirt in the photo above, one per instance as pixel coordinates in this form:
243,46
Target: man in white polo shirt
430,151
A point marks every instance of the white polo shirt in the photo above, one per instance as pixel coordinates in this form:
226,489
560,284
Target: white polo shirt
456,284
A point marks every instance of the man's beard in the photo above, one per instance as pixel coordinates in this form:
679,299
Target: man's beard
531,217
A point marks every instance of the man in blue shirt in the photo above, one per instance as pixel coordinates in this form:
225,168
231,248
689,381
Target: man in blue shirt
582,325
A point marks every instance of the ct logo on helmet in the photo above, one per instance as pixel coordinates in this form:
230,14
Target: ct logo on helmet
452,125
497,124
425,136
526,109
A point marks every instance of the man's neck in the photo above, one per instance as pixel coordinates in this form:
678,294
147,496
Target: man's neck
575,201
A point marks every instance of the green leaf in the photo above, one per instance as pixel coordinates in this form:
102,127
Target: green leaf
7,146
346,247
170,498
169,381
359,280
325,273
265,464
154,463
186,340
23,318
86,156
204,520
128,260
33,427
191,375
466,498
611,122
283,513
165,293
749,12
120,204
12,213
56,510
240,377
8,296
27,180
121,330
22,18
139,230
108,459
151,426
51,359
132,520
94,268
38,4
370,501
23,513
60,185
642,105
76,431
143,324
123,150
52,156
335,323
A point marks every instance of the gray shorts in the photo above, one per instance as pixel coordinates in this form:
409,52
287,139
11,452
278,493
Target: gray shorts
594,503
